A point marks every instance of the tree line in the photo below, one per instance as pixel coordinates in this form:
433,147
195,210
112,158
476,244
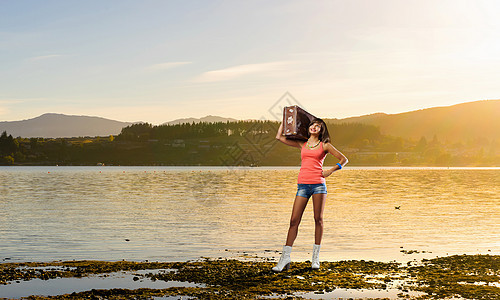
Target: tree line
238,143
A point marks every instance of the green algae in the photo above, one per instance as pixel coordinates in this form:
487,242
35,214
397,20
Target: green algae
457,275
464,276
66,269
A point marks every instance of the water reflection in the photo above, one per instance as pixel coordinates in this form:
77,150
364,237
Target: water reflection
184,213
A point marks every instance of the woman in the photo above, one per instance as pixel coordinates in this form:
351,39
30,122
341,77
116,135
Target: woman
311,182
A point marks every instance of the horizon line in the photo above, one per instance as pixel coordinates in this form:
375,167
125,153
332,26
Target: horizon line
248,119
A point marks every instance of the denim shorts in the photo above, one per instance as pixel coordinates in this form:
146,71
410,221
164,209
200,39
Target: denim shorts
307,190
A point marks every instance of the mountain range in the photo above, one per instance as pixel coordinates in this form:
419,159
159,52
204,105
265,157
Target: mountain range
460,122
58,125
51,125
207,119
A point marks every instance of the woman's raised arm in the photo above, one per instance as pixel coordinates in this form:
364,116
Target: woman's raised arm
284,140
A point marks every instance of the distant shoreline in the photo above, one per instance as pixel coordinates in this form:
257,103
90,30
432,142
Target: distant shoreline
261,167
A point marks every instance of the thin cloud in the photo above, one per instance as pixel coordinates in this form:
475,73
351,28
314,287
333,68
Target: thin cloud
9,101
4,110
7,106
241,70
166,66
44,57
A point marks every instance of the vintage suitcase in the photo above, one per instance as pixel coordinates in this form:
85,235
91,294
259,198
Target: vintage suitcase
296,122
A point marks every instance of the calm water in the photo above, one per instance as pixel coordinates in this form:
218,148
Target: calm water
170,214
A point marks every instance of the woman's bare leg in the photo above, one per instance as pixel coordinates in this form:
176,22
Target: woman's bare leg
319,201
299,205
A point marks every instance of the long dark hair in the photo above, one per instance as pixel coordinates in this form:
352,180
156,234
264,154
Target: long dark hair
324,136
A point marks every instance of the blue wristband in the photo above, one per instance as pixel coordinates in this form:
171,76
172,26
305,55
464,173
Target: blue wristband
340,166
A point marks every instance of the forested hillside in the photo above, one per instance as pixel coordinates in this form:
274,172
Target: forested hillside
247,143
460,123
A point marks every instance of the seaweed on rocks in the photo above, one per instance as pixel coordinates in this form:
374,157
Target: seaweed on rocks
467,276
462,276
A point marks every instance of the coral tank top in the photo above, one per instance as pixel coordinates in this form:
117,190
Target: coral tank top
311,165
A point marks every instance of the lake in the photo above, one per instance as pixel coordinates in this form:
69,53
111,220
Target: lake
185,213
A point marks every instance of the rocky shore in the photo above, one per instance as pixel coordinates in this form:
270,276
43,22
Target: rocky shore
457,277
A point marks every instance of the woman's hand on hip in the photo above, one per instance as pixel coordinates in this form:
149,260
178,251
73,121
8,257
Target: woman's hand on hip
326,173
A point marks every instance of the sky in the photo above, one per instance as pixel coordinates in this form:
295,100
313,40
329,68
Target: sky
160,60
